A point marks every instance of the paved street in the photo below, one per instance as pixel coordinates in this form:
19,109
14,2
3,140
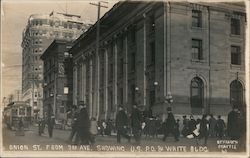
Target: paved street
32,142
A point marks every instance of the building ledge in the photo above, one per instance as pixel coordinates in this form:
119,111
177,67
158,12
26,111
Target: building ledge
238,67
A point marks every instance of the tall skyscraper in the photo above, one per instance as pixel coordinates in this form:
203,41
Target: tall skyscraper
40,31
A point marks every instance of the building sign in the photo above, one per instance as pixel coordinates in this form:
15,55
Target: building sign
66,90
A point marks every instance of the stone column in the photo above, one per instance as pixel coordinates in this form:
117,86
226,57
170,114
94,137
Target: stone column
144,88
115,74
80,82
84,81
90,87
165,50
106,83
97,86
168,55
125,79
75,85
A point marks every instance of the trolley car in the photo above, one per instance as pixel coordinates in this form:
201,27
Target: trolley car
16,111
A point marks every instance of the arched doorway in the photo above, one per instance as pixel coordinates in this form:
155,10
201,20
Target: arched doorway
197,95
236,94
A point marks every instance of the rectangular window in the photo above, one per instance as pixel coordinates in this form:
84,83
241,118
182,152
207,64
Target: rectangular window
235,55
235,26
14,112
65,25
22,111
197,49
70,26
196,18
78,26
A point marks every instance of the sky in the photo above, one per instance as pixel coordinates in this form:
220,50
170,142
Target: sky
14,18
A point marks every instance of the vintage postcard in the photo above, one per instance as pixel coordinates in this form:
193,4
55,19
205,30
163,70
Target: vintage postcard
124,78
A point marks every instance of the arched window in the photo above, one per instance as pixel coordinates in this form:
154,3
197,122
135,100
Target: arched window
236,94
197,93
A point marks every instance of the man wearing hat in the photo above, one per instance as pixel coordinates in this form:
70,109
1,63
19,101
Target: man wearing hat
83,124
74,115
233,124
136,120
121,124
170,126
51,123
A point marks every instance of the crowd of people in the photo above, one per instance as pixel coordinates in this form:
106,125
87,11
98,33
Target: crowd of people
84,130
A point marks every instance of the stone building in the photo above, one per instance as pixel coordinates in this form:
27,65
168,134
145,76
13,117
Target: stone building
189,56
58,79
40,31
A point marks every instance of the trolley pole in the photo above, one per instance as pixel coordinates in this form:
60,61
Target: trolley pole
96,101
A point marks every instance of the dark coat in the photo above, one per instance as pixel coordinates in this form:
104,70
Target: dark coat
185,122
82,121
121,119
233,124
204,127
191,125
220,125
136,119
74,119
170,121
51,122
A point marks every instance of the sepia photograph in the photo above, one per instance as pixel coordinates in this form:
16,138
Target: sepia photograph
124,78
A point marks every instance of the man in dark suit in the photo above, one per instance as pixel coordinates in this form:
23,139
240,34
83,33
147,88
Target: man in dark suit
74,115
204,128
170,126
122,124
83,125
136,120
51,123
233,124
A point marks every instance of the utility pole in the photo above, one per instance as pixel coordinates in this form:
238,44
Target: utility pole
96,103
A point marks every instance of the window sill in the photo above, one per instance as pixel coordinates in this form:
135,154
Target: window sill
235,36
197,28
234,66
198,61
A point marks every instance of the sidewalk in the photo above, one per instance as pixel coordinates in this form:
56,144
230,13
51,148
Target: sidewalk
60,137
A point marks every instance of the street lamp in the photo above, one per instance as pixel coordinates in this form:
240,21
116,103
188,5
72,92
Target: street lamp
156,83
169,98
137,89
